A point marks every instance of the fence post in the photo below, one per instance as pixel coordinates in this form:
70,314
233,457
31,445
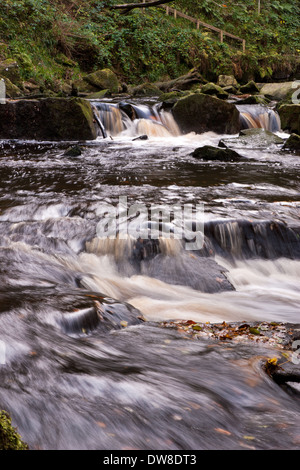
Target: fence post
244,45
221,36
175,13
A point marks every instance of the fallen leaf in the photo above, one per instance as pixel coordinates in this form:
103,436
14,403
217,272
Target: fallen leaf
223,431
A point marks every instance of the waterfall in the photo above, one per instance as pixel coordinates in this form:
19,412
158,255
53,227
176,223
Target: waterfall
134,120
258,116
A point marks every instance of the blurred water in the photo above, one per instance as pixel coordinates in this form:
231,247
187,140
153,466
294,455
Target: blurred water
87,365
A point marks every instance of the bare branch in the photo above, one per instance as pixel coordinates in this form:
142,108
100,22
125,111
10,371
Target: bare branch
127,7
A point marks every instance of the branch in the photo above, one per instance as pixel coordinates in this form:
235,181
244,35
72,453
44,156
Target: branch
127,7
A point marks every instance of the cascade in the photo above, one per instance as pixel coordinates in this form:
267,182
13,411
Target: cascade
114,119
258,116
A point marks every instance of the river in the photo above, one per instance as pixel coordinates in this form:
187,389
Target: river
85,361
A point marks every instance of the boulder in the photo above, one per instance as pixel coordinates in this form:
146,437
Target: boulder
210,153
103,80
146,89
292,143
200,113
53,119
214,90
279,91
290,117
250,88
227,81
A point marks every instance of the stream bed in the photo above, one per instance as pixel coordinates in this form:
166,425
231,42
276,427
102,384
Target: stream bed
86,363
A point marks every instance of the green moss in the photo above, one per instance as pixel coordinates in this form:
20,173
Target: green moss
9,437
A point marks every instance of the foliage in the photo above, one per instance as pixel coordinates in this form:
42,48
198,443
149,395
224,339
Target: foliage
9,438
58,40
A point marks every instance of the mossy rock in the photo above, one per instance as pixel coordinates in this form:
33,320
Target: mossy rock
146,89
12,91
98,95
250,88
292,143
54,119
200,113
254,99
279,91
290,118
215,90
9,437
104,79
9,68
209,153
226,81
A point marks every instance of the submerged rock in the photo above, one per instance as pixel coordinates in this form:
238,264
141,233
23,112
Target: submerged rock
74,151
200,113
252,138
208,152
292,143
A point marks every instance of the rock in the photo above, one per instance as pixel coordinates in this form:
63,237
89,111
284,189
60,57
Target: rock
74,151
250,87
12,91
290,117
231,90
208,152
98,95
168,100
51,119
252,138
200,113
215,90
9,68
227,81
279,91
146,89
254,99
103,80
292,143
141,137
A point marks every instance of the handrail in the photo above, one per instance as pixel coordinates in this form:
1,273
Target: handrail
208,26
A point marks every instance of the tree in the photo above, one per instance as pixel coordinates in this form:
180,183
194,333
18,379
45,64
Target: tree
127,7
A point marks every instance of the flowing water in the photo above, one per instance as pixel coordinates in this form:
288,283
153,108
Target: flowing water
84,361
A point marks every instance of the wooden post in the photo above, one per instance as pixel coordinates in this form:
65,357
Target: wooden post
244,45
143,10
198,24
221,36
167,10
175,13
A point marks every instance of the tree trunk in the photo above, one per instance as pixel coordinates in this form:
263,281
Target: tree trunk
127,7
